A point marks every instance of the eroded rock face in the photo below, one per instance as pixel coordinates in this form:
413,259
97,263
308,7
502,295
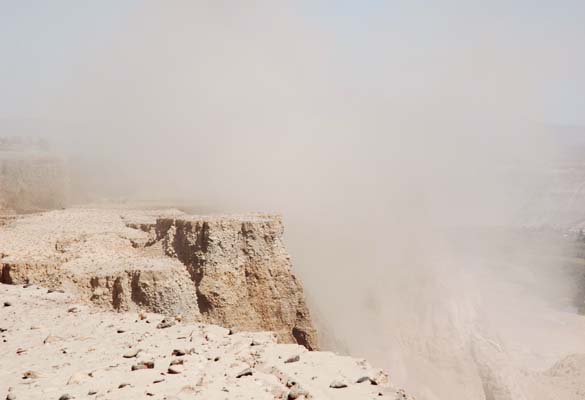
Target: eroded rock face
242,272
228,270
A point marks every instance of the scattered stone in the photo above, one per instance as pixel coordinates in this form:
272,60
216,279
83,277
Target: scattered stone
178,352
337,384
292,359
65,397
20,351
30,375
73,309
2,330
77,378
51,339
131,353
120,331
165,323
123,385
176,369
159,380
143,365
55,291
7,304
92,392
367,379
246,372
177,361
296,392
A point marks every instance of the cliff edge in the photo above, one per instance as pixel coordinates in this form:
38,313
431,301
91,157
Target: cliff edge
232,271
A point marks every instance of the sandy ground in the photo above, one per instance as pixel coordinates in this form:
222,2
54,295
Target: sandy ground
53,348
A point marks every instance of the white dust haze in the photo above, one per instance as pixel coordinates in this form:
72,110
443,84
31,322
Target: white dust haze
400,171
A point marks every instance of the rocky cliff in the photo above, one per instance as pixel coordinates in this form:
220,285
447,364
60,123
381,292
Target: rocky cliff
232,271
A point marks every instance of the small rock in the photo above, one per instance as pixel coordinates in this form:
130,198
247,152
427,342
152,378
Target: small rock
159,380
296,393
337,384
165,323
179,352
143,365
30,375
7,304
246,372
55,291
177,361
131,353
123,385
65,397
120,331
10,396
51,339
2,330
176,369
92,392
292,359
73,309
367,379
77,378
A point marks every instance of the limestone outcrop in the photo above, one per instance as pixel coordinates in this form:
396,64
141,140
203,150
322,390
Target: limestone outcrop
232,271
242,272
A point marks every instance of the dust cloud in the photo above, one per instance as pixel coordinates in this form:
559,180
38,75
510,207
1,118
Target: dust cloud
404,175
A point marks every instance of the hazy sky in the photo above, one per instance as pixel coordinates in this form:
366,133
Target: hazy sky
44,42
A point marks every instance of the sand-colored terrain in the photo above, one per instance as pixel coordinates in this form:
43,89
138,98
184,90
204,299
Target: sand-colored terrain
119,303
53,347
228,270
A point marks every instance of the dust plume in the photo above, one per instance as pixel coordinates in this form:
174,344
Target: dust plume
404,174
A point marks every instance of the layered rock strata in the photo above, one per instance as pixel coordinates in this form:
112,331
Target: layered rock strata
228,270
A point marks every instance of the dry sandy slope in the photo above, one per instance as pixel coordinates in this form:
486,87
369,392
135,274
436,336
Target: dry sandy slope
75,349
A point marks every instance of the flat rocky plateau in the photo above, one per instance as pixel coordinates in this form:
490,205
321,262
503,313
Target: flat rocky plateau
115,303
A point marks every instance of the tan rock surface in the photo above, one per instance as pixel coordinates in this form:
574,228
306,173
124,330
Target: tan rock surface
92,354
228,270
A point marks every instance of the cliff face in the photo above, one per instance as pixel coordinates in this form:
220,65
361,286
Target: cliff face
230,270
242,273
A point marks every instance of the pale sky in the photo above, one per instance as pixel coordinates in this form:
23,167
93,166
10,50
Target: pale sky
41,41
